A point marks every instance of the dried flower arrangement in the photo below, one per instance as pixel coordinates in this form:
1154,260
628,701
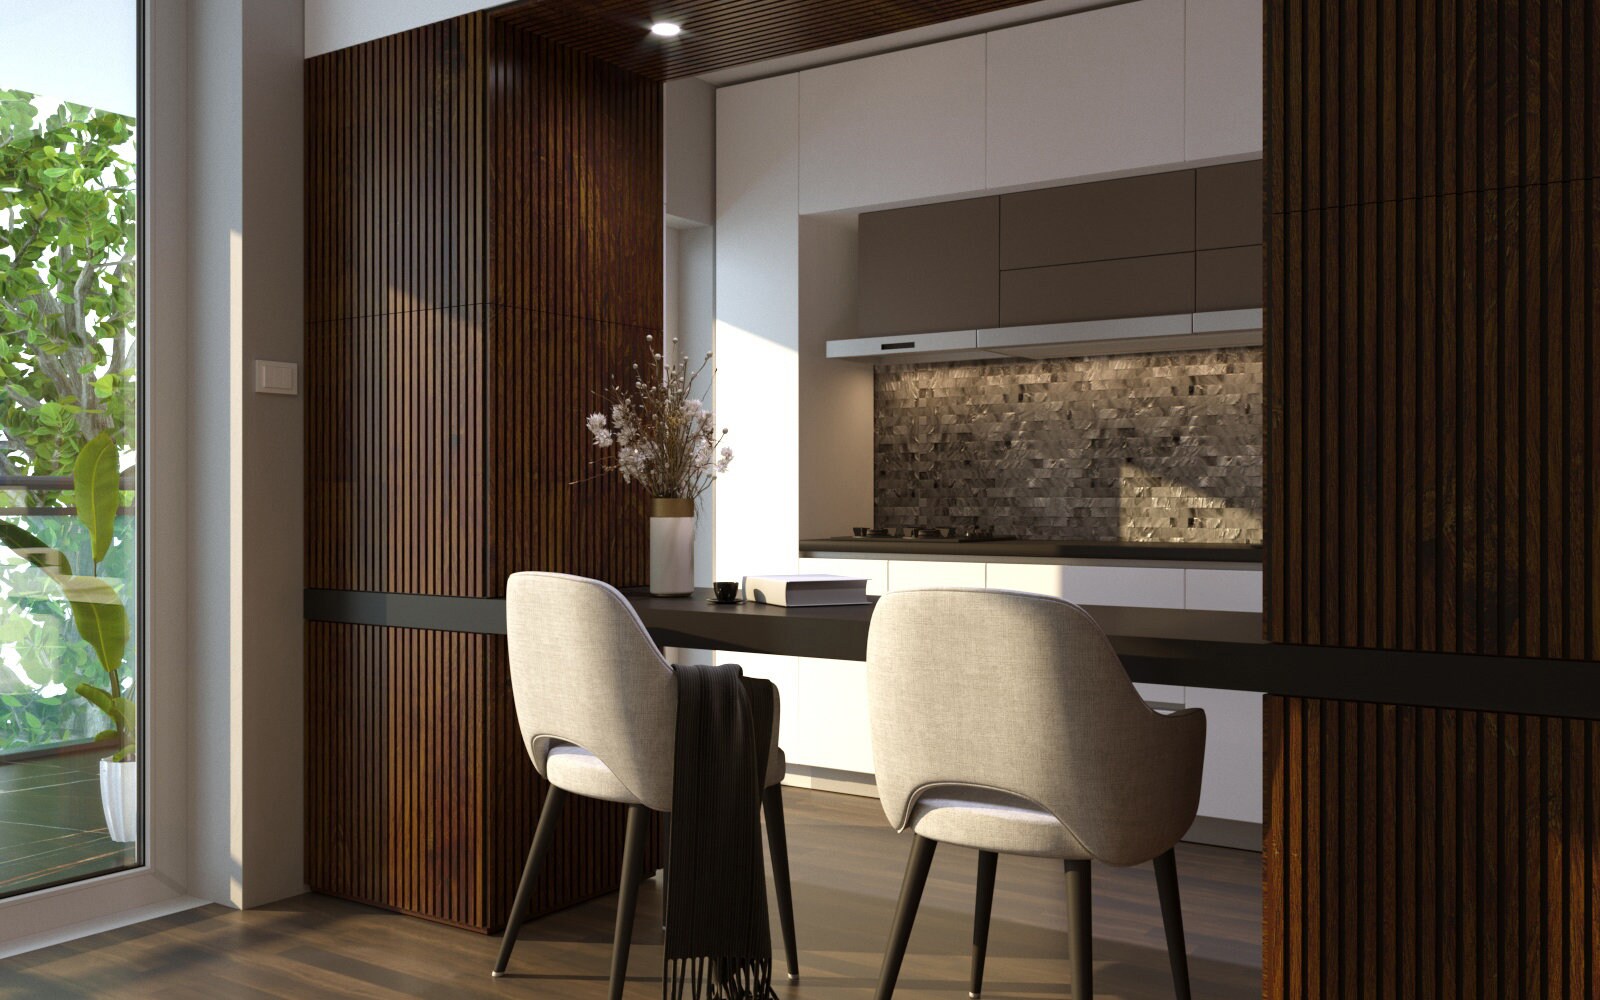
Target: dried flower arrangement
665,438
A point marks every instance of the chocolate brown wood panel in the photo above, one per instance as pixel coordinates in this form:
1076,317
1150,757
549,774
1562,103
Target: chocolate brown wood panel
1371,100
1433,424
420,795
483,257
575,218
721,33
1467,844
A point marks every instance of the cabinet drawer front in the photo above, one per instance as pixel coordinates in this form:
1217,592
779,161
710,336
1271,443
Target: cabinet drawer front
931,267
1112,586
1130,217
907,574
1222,589
1228,205
1228,279
1139,286
874,571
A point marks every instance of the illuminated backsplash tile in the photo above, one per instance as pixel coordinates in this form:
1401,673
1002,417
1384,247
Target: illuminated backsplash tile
1136,447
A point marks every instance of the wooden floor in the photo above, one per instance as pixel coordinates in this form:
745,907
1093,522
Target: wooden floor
847,868
52,828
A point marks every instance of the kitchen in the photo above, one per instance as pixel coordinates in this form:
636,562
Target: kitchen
1003,284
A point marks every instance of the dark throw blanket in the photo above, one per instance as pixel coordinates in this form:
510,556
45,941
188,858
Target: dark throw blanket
718,944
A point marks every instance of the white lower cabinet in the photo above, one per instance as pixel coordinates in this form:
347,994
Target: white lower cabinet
1231,788
875,571
1222,589
918,574
823,720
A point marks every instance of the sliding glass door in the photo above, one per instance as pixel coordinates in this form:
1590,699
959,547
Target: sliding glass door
70,437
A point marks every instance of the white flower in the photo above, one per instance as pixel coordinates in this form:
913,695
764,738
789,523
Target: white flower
727,456
597,427
693,407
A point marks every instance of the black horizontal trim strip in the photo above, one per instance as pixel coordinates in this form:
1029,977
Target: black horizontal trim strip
481,615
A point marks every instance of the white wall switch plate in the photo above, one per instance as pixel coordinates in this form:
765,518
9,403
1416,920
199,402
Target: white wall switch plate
278,377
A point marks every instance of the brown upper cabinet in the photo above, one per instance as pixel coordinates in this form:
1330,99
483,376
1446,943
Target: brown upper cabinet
1159,244
1107,220
1228,206
930,268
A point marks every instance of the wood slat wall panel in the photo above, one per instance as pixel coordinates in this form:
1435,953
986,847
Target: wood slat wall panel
484,254
1387,100
420,795
1480,880
1431,423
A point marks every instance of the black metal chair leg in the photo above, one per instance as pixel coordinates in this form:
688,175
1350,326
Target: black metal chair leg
542,835
987,862
905,913
1081,929
778,848
1172,916
628,897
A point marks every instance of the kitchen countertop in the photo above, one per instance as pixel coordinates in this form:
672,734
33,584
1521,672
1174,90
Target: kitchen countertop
1033,548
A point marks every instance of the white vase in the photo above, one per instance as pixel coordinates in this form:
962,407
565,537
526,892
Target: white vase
119,797
671,547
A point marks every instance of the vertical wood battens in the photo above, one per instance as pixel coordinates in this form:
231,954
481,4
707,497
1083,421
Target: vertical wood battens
1480,880
483,256
1432,266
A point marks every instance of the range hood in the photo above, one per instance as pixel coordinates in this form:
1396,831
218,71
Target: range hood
1130,335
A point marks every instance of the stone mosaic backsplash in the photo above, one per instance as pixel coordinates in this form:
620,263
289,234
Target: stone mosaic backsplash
1132,447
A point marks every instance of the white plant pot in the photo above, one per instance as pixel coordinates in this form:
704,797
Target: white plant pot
119,797
671,547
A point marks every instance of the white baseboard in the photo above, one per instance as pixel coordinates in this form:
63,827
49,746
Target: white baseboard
826,779
1233,833
97,925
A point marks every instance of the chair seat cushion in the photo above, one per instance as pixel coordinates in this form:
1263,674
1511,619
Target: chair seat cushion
580,772
988,820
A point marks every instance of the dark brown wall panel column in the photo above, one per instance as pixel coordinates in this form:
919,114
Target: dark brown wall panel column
1434,245
484,257
1455,857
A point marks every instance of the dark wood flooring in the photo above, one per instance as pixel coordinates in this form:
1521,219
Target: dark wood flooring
847,867
52,828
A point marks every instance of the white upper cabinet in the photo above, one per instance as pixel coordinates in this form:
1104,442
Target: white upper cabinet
1224,79
1093,93
893,127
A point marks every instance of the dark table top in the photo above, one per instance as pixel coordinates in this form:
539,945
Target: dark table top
1209,649
1037,548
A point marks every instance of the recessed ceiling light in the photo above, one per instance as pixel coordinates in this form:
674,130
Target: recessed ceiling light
666,29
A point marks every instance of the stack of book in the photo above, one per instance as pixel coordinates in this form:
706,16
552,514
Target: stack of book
806,590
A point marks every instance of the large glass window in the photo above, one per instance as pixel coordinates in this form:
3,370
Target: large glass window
69,441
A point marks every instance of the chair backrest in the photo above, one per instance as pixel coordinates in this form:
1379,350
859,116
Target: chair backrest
584,671
1023,694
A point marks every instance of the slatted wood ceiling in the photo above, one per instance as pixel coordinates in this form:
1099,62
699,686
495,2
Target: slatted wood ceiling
721,33
1418,852
483,255
1433,330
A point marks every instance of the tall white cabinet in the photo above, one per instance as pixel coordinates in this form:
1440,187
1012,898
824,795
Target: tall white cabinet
1099,92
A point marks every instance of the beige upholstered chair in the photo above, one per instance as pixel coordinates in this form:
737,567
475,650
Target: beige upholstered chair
1004,722
598,709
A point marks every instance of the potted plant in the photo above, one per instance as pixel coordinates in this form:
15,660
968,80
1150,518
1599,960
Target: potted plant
101,619
665,440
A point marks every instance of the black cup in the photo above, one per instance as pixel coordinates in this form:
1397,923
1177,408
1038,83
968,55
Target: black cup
725,592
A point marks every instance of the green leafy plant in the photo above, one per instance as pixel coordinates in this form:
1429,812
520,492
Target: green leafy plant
97,609
67,282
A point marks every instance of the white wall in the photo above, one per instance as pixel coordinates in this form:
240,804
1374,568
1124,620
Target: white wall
246,456
758,325
337,24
